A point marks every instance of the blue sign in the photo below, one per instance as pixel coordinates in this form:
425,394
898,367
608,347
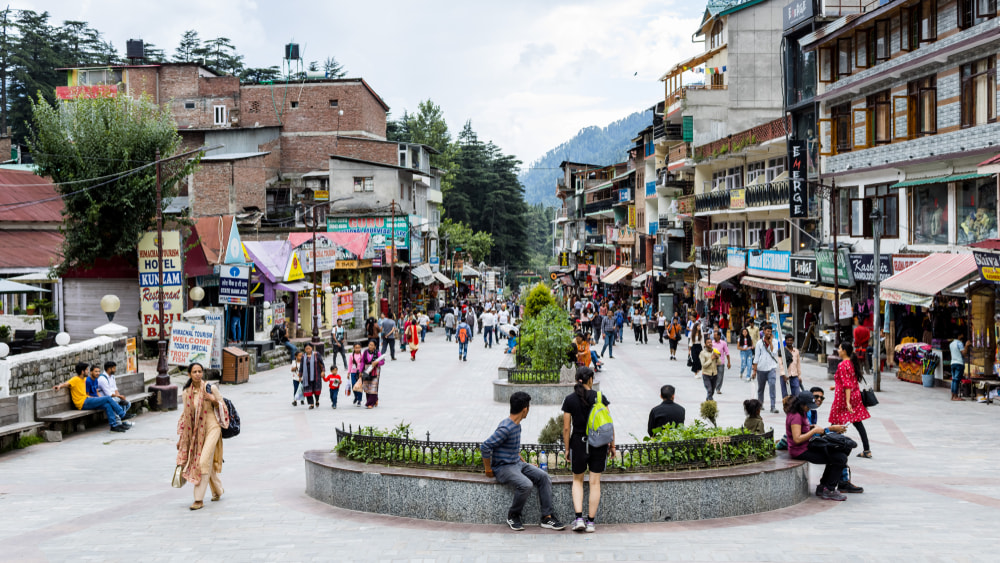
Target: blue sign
234,285
770,263
148,279
651,188
623,195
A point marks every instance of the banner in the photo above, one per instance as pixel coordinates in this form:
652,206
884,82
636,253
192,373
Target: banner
345,304
173,283
736,257
131,356
798,192
279,312
381,229
190,343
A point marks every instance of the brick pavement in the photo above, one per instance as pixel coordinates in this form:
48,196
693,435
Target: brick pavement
104,496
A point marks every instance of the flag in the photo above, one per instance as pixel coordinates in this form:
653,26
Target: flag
723,69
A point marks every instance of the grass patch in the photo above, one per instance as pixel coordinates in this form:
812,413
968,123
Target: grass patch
27,442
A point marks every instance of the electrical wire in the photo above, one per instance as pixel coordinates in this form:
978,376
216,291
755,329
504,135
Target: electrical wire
19,205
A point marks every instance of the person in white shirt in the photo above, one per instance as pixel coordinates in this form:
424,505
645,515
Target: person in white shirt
638,321
765,363
423,320
487,321
107,387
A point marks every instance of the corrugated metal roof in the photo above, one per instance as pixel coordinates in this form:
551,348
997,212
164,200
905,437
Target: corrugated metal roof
829,30
233,156
30,249
19,187
931,275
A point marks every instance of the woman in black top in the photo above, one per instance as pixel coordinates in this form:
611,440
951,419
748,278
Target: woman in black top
576,410
371,330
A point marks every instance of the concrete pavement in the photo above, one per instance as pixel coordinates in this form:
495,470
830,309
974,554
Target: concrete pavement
930,491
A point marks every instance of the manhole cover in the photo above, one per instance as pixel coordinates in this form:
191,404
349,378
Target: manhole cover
128,442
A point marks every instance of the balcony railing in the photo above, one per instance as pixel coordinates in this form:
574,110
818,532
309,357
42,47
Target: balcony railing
681,93
677,153
561,213
716,256
669,132
280,216
773,193
596,206
595,239
743,139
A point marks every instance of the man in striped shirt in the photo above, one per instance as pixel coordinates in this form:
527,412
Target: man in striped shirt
502,458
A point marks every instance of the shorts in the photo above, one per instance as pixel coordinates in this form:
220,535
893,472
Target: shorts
596,461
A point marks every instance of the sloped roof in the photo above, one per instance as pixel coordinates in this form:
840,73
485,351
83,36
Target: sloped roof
30,249
18,191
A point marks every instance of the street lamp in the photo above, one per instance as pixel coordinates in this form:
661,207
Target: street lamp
876,218
196,294
110,305
306,219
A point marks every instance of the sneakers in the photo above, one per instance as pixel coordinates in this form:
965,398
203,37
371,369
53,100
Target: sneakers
515,523
127,425
579,525
119,428
128,415
552,523
848,487
774,410
831,494
591,528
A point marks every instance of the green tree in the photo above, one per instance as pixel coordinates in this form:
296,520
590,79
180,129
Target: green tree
189,47
476,245
153,53
35,56
546,337
398,130
5,63
257,75
538,298
220,54
98,155
333,68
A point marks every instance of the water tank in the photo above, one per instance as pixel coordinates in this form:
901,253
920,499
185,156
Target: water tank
292,51
134,49
315,74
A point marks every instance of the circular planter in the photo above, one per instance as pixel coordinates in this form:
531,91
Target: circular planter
454,496
541,393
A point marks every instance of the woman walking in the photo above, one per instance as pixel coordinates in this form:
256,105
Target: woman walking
744,343
576,410
371,371
354,368
661,324
694,348
412,337
199,448
371,330
311,370
847,407
674,332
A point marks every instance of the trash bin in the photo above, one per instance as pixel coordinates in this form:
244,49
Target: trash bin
235,365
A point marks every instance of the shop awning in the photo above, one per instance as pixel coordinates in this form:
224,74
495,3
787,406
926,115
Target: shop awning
813,290
616,275
423,274
680,265
938,180
764,283
469,272
722,275
638,280
918,284
294,287
443,279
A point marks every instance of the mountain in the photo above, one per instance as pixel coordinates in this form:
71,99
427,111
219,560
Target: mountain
592,145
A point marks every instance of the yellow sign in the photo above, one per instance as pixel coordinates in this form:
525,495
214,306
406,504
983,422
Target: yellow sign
294,270
321,195
554,276
131,356
738,198
346,265
631,216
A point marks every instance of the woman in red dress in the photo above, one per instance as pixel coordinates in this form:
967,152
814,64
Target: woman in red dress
412,337
847,406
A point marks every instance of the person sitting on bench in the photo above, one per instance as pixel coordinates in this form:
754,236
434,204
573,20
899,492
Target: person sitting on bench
107,387
78,392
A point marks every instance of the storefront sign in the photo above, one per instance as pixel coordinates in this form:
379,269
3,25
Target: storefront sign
321,195
769,263
190,343
804,269
216,317
631,216
863,267
710,292
736,257
564,259
738,198
381,229
325,280
326,255
435,264
797,12
581,268
989,266
623,195
798,188
824,263
234,285
845,311
349,264
593,271
901,262
131,356
345,304
173,288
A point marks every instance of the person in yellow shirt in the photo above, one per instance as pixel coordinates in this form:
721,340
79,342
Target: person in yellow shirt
78,392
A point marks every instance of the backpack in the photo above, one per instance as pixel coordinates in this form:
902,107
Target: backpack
463,335
234,420
600,427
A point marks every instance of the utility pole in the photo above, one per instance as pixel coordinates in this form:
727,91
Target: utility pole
163,390
392,263
836,270
876,217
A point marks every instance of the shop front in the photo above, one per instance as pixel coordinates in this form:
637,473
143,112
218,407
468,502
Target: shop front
837,282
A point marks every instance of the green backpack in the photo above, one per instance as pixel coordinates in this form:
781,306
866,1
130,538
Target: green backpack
600,427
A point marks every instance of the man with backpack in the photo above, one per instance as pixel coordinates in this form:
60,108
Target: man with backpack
462,335
589,434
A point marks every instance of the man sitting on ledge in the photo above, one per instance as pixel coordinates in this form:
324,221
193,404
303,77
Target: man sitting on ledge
666,412
502,456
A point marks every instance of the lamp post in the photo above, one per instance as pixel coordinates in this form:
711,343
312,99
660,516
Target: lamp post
876,218
316,343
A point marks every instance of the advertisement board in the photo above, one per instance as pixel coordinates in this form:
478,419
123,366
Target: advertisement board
173,283
798,189
769,264
190,343
804,269
863,267
381,229
234,285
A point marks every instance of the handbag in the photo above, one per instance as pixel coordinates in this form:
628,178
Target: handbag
178,480
833,441
868,398
357,386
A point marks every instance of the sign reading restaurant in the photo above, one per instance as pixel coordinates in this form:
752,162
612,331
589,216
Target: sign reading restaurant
774,264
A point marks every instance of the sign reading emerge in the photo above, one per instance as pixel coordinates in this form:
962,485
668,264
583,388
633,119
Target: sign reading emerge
173,283
824,263
804,269
989,266
381,229
863,267
234,285
190,343
798,191
774,264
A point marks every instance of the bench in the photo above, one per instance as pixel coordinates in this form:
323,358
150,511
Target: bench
56,408
9,424
133,386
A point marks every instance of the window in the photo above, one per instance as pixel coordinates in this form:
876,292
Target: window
334,103
220,115
734,177
735,234
755,169
841,117
986,9
402,191
102,77
930,214
907,40
843,211
966,14
978,94
188,105
878,119
254,107
718,80
861,211
718,231
278,201
775,166
757,232
844,58
402,155
880,42
862,51
921,107
364,184
928,20
977,210
717,38
719,179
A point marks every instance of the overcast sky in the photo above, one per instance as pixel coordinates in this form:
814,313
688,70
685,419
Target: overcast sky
528,73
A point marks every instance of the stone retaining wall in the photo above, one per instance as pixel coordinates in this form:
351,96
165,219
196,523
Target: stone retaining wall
454,496
27,373
541,393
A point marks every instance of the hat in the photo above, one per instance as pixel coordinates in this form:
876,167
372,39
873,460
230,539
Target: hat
806,398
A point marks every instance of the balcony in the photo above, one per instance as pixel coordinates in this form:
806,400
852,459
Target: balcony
603,205
685,92
561,214
766,195
736,143
596,239
678,153
716,256
281,216
668,132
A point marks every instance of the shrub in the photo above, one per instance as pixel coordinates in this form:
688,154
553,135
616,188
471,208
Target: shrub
546,337
538,298
552,433
4,333
710,411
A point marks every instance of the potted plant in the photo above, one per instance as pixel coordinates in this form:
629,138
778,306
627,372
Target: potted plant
40,335
4,333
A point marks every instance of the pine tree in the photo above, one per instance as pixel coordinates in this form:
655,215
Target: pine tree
333,69
189,47
153,53
35,56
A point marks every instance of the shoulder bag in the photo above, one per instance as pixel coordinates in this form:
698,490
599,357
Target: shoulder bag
868,398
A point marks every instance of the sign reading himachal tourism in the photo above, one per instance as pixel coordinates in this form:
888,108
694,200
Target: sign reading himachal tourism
863,267
989,266
173,283
804,269
190,343
775,264
798,191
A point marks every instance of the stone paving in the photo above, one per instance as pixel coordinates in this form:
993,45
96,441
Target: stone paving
97,496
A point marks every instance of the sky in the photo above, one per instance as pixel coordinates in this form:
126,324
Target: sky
529,74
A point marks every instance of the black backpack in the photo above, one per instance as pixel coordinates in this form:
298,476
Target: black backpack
234,418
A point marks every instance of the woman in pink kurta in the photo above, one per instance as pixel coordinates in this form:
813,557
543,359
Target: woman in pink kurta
847,406
199,449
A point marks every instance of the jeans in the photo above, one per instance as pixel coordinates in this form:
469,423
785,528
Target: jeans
621,333
637,332
423,332
594,360
110,406
357,394
389,343
766,378
333,396
794,382
292,350
523,477
463,350
659,329
339,350
710,382
447,333
957,371
488,336
746,363
609,344
835,463
719,376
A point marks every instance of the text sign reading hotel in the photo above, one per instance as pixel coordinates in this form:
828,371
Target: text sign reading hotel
769,263
149,286
798,189
989,266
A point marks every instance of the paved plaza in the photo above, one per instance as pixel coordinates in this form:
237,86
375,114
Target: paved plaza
97,496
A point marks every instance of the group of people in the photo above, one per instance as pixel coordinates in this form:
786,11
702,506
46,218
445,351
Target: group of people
364,368
94,388
494,321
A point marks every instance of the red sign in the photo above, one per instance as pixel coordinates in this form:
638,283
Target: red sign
97,91
901,262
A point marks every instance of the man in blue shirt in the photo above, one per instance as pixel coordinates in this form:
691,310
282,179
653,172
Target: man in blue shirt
502,458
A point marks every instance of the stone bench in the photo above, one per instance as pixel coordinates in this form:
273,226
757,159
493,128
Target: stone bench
9,421
55,407
626,498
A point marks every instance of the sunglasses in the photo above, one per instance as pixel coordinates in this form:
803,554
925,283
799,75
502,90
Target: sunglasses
818,398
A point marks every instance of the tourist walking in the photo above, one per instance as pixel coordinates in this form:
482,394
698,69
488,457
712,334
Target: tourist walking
694,348
610,335
424,321
334,380
338,339
638,323
801,446
412,338
388,330
722,347
710,359
371,330
311,370
765,365
847,407
958,353
297,389
371,372
463,335
449,325
674,331
487,320
354,367
199,448
794,362
620,324
744,343
576,409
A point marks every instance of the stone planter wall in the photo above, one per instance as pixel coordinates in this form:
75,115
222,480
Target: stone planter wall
541,394
27,373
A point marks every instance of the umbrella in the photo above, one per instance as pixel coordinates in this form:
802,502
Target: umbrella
7,286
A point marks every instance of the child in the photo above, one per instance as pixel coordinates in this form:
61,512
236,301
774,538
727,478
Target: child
296,380
334,380
754,422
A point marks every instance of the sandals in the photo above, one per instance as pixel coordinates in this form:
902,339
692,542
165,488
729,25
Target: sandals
218,496
866,454
198,505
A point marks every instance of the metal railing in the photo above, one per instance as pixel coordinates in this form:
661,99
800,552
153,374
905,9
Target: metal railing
647,457
532,376
597,206
739,141
772,193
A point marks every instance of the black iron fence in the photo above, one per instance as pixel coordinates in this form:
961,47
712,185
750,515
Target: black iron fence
372,446
536,376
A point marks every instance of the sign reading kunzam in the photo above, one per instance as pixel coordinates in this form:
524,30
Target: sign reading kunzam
149,286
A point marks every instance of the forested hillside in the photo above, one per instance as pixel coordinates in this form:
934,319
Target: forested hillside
592,145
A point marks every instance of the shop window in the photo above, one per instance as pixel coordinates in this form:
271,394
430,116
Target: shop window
930,214
978,97
977,210
841,118
921,107
364,184
843,211
878,119
845,59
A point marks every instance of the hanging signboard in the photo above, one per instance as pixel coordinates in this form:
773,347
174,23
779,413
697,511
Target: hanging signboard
804,269
738,198
173,283
769,263
824,263
190,343
863,267
381,229
279,312
216,318
845,311
234,285
736,257
989,266
798,188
